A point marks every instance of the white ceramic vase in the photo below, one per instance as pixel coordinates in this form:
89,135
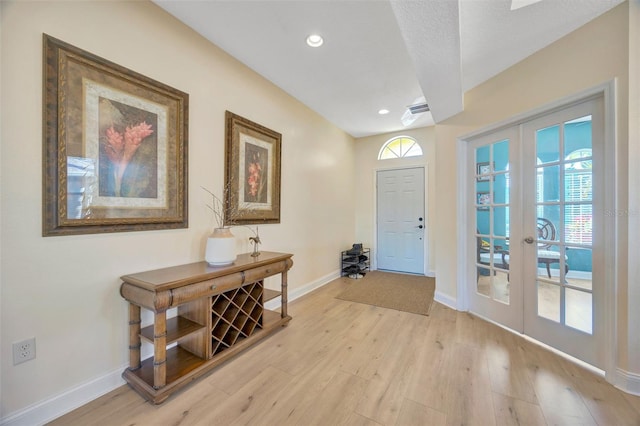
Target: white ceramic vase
221,248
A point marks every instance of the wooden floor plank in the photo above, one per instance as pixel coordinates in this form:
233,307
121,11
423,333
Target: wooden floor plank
306,388
414,414
427,385
356,419
340,362
468,394
367,353
385,392
115,407
508,366
249,402
605,403
187,406
308,352
633,400
561,403
512,411
336,404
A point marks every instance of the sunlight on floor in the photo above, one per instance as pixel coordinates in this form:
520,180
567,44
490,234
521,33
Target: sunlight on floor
578,303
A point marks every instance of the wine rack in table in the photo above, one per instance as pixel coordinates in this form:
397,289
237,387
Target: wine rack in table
220,312
235,315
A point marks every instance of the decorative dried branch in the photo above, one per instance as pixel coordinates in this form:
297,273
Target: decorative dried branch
217,207
222,210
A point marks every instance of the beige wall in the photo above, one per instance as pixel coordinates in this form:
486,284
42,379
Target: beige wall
64,290
367,163
632,326
590,56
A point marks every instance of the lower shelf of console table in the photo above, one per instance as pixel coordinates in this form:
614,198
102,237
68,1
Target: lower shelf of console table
220,312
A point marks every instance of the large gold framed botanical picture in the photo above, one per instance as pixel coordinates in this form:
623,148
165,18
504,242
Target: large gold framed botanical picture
114,147
252,172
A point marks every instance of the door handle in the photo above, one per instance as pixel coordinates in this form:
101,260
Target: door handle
528,240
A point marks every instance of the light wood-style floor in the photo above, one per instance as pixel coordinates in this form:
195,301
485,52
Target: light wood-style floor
344,363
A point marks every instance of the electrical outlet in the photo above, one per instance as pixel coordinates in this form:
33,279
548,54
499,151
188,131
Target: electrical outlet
24,351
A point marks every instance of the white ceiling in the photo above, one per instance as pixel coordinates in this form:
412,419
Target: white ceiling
382,53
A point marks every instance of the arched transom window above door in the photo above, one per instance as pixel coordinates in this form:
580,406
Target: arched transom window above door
400,147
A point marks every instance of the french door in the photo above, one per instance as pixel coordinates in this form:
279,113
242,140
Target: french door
538,213
564,230
495,196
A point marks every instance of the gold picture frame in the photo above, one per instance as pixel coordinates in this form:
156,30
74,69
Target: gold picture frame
252,172
114,146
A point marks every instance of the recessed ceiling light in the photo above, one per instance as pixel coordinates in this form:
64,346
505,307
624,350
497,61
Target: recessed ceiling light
315,40
383,111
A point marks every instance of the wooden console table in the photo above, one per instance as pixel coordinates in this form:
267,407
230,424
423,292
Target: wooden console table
220,313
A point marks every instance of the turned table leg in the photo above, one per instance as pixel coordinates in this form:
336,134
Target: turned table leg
283,310
160,350
134,336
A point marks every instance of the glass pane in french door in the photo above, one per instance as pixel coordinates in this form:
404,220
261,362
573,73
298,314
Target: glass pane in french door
492,220
564,206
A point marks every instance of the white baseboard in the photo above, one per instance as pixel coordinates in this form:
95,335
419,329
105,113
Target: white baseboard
445,299
431,274
301,291
52,408
627,381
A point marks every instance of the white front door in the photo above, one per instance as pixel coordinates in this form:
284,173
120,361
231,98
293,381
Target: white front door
401,222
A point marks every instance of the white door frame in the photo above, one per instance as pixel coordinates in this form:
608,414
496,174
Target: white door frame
611,262
374,260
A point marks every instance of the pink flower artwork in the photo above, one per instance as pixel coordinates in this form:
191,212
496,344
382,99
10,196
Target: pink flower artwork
254,179
120,148
255,174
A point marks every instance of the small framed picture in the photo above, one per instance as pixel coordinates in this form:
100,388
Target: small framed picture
252,172
483,200
483,170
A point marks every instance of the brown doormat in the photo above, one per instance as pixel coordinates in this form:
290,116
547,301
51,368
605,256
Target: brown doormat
402,292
